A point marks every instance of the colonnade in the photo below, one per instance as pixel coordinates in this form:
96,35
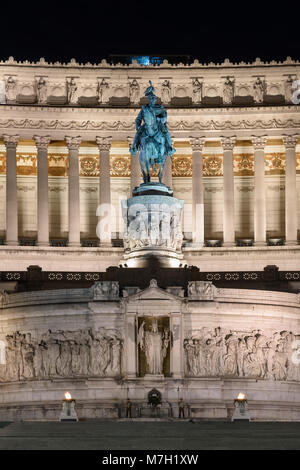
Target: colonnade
197,144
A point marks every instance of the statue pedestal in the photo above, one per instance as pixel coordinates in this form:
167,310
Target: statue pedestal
153,227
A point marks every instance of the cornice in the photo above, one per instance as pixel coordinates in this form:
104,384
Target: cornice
174,125
165,64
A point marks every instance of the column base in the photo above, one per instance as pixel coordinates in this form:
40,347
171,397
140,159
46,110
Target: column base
105,244
291,242
228,244
260,244
12,242
74,244
43,244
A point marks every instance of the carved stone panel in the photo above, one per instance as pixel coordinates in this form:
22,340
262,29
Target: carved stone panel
86,352
251,354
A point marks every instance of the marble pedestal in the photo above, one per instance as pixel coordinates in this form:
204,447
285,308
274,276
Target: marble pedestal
153,227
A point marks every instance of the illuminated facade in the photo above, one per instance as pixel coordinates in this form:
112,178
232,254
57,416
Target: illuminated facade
65,132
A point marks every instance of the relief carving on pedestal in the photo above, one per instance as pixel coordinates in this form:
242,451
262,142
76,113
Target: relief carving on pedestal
218,353
201,290
106,290
60,353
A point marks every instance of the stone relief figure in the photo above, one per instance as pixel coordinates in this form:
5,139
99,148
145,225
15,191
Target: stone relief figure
155,345
258,91
106,290
3,297
11,89
41,91
253,354
163,229
62,354
134,91
166,91
71,91
203,290
228,91
197,91
289,90
102,90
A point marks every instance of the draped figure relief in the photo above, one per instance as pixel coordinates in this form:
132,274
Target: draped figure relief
255,354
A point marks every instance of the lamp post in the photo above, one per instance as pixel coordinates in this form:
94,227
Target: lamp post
68,412
241,412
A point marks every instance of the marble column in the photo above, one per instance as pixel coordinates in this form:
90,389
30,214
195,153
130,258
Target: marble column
42,143
73,144
228,191
260,224
130,345
135,173
167,174
104,210
291,215
11,142
197,191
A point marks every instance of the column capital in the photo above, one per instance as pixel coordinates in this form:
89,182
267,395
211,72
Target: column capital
228,142
259,141
11,141
104,143
130,141
197,143
42,142
73,143
290,141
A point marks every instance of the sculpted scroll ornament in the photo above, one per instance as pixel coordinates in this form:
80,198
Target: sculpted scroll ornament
62,354
254,354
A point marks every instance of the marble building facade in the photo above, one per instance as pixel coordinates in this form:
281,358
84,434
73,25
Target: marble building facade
65,132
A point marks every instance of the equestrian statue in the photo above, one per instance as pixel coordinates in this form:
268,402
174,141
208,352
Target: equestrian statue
152,138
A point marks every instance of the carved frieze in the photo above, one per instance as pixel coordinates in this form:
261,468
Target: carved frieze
54,354
105,290
201,290
252,354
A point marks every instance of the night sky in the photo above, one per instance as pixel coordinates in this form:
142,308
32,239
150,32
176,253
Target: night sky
90,31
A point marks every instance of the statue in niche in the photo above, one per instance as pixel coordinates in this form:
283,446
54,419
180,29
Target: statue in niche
152,137
289,90
228,91
155,345
197,91
41,91
11,89
102,91
71,91
258,91
166,91
134,91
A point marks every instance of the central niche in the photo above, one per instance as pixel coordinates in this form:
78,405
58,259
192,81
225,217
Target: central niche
153,342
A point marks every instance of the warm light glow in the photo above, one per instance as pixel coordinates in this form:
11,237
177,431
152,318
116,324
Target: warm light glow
241,396
68,396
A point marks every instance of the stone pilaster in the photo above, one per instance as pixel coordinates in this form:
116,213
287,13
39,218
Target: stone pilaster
135,174
260,224
228,191
291,226
197,191
104,209
73,144
42,143
11,142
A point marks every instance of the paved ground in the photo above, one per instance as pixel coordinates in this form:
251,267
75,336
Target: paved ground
126,435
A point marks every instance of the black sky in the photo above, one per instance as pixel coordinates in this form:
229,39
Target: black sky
90,31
